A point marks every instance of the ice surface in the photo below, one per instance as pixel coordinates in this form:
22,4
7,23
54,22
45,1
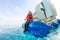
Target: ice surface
17,34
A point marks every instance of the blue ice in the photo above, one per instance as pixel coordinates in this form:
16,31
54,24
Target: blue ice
19,35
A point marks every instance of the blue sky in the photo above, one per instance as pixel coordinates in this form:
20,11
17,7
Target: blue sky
14,11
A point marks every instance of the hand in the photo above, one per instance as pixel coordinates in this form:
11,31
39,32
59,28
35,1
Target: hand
24,19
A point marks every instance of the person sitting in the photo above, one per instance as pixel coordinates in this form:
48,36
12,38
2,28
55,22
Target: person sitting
29,19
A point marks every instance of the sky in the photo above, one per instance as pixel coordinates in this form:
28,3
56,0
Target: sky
13,12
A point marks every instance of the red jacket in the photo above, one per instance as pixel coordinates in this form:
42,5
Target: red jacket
29,17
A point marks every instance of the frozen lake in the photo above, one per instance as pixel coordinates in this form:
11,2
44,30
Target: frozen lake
17,34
